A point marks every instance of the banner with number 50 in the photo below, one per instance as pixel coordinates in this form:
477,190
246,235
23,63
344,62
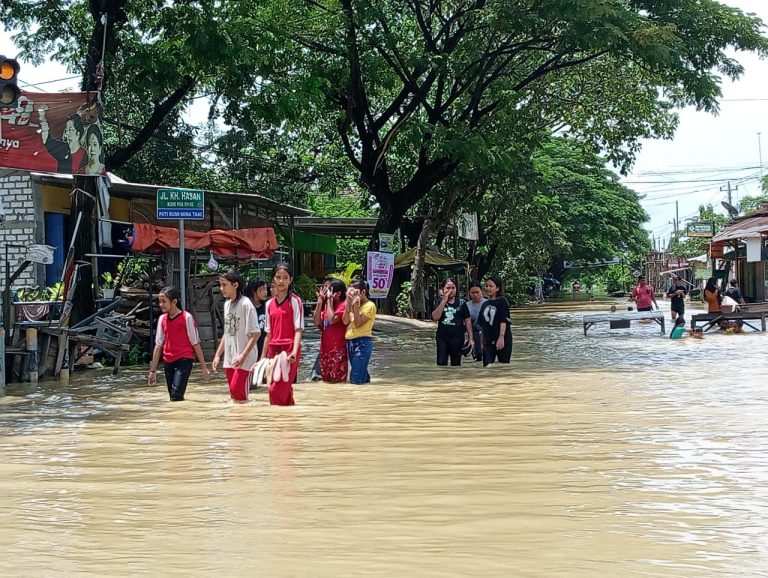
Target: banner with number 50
381,270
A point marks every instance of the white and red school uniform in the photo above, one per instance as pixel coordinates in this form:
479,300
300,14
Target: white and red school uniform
240,324
283,320
177,335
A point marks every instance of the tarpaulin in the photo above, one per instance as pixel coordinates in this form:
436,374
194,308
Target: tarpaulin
432,257
53,133
258,243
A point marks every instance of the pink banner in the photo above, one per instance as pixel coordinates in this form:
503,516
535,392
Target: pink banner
53,133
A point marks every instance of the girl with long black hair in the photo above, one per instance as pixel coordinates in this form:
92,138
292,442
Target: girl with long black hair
494,323
241,333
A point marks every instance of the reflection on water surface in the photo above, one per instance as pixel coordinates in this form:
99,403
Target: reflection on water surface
619,454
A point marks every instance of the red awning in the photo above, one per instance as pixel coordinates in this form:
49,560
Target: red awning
259,243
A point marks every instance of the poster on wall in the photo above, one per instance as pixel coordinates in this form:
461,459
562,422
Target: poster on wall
381,269
53,133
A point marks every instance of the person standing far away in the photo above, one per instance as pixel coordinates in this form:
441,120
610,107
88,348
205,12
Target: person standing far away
241,333
256,290
676,293
178,342
494,324
734,293
643,295
329,312
712,296
359,315
284,327
469,313
450,325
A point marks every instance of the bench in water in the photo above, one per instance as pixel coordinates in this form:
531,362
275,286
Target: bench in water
744,313
621,320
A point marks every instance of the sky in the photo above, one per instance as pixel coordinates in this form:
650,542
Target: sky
707,153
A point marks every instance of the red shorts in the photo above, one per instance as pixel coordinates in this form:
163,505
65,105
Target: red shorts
238,383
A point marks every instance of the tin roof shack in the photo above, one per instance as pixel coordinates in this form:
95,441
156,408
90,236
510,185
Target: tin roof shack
156,265
748,235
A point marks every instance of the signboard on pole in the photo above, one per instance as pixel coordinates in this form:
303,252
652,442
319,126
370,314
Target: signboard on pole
380,271
387,242
181,204
700,229
468,227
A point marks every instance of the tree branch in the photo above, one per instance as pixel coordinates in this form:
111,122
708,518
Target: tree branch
119,157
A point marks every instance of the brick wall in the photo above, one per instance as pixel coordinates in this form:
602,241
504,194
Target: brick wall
18,227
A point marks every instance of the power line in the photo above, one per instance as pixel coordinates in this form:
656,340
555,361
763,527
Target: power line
37,84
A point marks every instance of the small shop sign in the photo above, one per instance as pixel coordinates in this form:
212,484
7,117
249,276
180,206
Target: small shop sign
700,229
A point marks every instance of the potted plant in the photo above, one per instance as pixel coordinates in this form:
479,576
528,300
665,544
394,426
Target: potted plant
108,285
31,303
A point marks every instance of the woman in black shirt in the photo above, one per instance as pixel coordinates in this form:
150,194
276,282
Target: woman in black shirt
494,324
450,325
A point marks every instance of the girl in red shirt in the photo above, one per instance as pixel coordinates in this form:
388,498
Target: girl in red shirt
178,342
331,303
284,326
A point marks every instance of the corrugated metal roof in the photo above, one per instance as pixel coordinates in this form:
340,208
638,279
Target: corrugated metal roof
748,227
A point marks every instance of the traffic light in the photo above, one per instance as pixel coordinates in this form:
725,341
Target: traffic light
9,90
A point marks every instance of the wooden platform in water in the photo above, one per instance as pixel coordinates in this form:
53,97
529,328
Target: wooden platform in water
622,320
744,314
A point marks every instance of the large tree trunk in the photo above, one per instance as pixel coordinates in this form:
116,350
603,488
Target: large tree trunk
390,218
418,277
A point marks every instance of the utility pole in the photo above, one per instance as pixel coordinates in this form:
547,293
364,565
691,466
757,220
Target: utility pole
760,155
677,216
728,188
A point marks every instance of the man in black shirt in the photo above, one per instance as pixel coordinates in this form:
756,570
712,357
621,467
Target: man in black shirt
677,292
734,293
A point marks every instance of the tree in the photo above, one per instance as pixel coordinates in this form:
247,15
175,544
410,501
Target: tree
418,88
747,204
599,217
563,205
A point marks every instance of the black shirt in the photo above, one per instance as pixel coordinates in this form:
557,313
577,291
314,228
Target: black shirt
451,323
261,314
734,294
677,300
493,313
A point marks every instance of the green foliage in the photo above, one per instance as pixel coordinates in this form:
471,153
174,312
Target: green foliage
134,354
345,203
348,274
403,299
747,204
33,293
108,282
306,287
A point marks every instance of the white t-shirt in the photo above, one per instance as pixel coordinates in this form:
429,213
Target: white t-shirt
241,322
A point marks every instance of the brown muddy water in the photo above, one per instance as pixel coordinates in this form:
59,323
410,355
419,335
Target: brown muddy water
621,454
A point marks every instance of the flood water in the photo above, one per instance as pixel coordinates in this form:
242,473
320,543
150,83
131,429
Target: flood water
620,454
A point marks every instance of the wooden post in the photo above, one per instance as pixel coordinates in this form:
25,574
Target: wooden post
31,338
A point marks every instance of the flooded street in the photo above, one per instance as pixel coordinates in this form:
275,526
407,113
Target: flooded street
620,454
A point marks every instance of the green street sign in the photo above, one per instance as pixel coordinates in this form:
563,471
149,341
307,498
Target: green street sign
180,204
699,229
